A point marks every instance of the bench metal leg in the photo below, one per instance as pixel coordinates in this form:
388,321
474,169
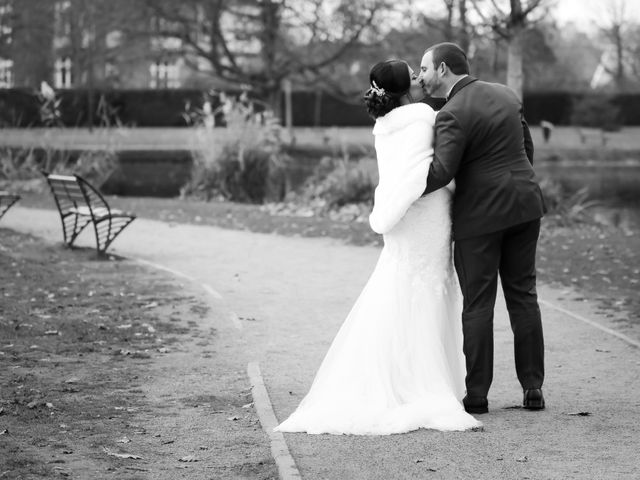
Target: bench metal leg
6,202
108,229
72,226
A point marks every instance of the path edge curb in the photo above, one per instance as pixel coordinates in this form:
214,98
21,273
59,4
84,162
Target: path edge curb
593,323
262,403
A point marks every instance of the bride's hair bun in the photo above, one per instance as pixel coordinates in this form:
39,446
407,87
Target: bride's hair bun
388,81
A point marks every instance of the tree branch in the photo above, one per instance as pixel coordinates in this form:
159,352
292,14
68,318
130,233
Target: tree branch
344,47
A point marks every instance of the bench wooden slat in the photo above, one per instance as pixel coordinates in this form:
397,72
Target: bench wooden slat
66,186
64,178
98,212
70,197
69,193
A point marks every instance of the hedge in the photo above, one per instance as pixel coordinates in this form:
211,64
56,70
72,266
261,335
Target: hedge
18,108
554,107
165,108
142,108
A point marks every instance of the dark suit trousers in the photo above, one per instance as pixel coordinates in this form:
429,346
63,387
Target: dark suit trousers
478,260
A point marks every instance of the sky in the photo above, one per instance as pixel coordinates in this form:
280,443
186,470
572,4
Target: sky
585,14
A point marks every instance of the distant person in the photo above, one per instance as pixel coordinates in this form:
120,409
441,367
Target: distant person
547,128
396,364
208,118
483,142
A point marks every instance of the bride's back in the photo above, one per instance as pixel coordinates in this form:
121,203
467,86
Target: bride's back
422,237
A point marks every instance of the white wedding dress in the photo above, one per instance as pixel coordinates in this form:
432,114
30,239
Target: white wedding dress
396,364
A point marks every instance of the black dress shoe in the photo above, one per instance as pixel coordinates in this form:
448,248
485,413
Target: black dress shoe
533,399
475,404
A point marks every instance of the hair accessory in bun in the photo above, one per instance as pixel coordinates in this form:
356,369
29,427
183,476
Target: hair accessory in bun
376,89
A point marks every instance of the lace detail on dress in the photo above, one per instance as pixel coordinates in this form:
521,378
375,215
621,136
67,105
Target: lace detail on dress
421,240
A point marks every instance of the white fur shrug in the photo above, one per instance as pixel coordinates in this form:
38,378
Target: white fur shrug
404,147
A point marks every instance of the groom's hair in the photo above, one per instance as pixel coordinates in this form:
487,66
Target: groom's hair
452,55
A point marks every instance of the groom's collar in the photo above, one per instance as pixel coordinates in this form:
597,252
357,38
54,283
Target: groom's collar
459,85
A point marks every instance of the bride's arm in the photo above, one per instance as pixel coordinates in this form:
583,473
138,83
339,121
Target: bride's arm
414,155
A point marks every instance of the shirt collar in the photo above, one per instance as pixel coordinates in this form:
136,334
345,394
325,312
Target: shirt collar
452,86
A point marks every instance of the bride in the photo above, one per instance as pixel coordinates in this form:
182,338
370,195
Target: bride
396,364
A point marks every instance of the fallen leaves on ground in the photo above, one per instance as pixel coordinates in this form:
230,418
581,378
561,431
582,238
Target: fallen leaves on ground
121,455
188,458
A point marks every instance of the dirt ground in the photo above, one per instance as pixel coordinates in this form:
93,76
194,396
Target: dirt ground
101,369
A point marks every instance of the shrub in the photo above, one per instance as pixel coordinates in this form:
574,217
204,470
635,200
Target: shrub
339,187
49,106
94,166
567,208
339,181
247,175
26,164
18,163
243,162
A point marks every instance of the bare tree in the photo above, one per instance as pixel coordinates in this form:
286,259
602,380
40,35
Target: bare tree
454,24
85,32
89,34
6,27
464,36
449,6
617,30
259,43
457,26
634,50
510,24
31,24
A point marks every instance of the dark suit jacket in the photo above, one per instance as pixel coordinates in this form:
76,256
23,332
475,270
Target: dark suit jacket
434,102
483,141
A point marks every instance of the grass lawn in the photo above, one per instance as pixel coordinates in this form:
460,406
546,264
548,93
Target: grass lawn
603,262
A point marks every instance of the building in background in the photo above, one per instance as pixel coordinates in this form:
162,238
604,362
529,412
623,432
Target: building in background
96,44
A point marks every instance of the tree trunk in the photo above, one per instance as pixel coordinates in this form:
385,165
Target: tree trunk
465,41
33,43
448,30
270,18
514,61
317,109
288,106
273,99
619,46
495,60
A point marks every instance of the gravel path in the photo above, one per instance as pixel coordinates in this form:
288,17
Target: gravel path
285,299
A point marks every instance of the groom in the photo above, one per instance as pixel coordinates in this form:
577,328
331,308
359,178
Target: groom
483,142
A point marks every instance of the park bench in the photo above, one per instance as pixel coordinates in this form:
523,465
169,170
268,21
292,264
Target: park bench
79,203
6,201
